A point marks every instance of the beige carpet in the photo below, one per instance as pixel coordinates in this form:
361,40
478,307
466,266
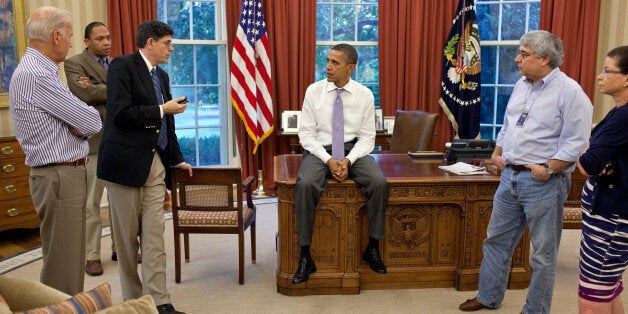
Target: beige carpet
209,281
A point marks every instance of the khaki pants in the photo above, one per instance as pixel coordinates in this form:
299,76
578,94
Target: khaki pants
139,212
93,231
59,195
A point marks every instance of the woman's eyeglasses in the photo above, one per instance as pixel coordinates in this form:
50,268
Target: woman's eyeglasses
607,72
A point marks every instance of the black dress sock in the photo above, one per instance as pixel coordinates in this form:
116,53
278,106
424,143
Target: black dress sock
373,243
305,251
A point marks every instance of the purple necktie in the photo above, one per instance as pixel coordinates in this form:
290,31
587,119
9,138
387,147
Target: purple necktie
338,129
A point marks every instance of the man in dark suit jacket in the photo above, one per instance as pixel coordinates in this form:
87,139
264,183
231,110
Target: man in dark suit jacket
138,148
86,74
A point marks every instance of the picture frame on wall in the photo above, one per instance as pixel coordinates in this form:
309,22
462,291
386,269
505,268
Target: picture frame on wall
379,120
290,121
389,124
12,45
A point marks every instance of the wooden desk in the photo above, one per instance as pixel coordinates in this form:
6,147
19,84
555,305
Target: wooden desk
381,139
435,225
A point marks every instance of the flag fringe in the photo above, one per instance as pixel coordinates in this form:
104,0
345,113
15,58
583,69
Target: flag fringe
250,132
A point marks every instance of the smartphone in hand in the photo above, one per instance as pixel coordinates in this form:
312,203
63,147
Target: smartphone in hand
183,101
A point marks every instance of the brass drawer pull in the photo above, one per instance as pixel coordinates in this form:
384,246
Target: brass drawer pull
10,188
12,212
8,168
7,150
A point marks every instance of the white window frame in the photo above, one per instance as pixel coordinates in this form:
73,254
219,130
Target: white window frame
228,149
354,43
500,43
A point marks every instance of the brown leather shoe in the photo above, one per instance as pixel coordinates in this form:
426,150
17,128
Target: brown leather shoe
93,268
472,305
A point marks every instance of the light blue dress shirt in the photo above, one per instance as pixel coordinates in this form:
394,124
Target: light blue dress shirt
557,124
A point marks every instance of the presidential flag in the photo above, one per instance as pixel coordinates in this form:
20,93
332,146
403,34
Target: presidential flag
460,83
250,73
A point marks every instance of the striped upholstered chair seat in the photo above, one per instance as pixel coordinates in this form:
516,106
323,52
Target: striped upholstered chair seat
189,218
572,217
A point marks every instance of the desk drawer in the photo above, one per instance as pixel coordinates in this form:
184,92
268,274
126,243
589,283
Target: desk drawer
14,188
18,214
13,167
10,148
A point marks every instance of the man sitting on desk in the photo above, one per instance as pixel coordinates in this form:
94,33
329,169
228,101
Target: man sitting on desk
337,133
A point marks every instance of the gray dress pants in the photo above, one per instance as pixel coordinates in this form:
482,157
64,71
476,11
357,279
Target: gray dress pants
312,180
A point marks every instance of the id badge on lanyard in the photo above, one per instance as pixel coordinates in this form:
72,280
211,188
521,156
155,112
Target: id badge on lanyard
522,119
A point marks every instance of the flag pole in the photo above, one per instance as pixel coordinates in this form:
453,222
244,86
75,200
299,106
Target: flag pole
260,192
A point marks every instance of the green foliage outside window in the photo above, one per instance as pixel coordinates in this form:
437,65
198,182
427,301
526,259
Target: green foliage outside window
197,70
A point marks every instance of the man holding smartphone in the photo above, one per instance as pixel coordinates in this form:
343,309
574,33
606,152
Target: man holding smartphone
138,148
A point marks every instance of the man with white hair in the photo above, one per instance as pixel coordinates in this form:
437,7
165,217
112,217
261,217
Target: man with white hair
52,126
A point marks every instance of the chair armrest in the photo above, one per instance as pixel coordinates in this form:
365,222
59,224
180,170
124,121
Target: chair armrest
246,188
22,294
246,184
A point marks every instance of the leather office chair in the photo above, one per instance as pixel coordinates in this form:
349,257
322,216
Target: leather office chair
211,201
413,131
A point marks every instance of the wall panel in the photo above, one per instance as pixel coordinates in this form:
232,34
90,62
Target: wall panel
613,32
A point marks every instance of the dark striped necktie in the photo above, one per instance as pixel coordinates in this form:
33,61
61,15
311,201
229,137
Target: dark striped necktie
163,136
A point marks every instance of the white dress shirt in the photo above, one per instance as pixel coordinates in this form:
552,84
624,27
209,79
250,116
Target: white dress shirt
315,130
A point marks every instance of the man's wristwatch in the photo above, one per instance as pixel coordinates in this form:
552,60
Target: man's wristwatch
549,169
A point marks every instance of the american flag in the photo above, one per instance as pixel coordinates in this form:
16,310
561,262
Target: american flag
250,73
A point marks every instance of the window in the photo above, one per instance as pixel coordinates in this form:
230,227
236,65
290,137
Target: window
198,69
501,23
353,22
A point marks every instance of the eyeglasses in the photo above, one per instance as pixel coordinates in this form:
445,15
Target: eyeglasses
607,72
524,54
167,43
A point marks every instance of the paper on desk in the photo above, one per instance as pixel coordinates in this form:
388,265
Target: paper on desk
462,168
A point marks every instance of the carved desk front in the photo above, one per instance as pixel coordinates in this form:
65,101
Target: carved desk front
435,225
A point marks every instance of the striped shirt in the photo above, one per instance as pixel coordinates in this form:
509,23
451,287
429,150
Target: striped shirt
43,108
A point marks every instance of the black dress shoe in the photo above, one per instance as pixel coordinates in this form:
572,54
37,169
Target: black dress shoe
371,256
114,257
167,309
306,267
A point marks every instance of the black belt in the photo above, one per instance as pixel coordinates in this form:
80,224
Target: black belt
518,167
80,162
351,142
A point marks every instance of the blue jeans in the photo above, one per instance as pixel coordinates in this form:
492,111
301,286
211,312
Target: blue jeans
521,202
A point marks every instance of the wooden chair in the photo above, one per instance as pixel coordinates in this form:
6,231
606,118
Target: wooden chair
211,201
413,131
572,212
